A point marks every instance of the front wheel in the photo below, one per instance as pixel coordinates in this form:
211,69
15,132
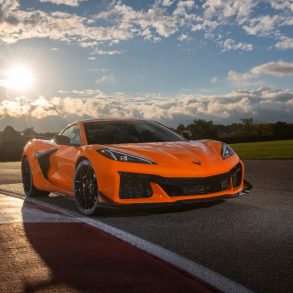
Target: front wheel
27,180
86,188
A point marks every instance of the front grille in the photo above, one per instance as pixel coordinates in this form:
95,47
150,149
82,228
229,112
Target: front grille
134,186
195,186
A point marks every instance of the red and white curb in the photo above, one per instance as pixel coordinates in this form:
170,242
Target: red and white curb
191,267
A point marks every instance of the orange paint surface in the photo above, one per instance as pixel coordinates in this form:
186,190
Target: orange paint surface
176,159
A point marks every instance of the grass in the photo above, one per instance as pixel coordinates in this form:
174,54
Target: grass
282,149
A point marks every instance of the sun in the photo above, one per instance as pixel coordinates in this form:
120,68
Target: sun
19,78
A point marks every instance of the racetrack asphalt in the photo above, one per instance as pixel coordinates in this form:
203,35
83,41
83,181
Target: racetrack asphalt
43,250
247,239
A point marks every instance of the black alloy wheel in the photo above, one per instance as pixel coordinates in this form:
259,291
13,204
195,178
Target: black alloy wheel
27,180
86,188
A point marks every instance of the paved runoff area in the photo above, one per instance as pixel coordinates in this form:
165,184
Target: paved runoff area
45,250
244,243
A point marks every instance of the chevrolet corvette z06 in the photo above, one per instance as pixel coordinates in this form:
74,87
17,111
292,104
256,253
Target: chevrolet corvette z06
127,162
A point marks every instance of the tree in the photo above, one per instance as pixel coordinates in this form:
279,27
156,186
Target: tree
11,145
248,128
201,129
181,127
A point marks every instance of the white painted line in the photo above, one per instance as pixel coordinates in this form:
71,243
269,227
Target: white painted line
193,268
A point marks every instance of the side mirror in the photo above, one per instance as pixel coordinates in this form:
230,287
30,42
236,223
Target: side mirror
186,134
62,139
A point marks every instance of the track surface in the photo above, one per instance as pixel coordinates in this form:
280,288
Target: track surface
49,251
248,239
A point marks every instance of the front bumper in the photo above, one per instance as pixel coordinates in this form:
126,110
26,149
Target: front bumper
109,203
133,185
137,188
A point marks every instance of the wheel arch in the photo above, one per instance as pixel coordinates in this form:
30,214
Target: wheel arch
80,163
80,159
88,157
29,156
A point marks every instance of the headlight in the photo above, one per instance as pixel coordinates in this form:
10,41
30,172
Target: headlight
227,151
123,157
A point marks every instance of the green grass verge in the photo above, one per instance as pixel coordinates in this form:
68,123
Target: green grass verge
282,149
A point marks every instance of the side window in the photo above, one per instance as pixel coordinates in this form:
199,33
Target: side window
73,134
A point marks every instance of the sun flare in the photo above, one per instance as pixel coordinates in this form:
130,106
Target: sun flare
19,77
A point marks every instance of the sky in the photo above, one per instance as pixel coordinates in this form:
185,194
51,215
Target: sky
167,60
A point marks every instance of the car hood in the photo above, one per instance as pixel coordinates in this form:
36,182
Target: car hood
181,154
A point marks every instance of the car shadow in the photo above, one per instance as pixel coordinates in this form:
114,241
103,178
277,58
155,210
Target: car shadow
67,256
109,212
133,210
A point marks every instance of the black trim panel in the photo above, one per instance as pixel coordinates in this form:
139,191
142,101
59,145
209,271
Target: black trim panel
111,204
178,180
44,160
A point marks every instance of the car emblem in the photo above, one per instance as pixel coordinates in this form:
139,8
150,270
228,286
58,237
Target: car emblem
197,162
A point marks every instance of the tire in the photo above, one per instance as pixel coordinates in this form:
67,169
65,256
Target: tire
27,180
86,188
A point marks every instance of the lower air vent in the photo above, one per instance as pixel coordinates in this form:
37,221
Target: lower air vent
134,186
236,173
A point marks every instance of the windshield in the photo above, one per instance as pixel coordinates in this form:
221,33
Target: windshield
133,131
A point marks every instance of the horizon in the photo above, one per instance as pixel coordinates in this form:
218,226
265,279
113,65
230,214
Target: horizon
166,60
253,121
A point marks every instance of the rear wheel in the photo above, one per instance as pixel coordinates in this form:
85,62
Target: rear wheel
86,188
27,180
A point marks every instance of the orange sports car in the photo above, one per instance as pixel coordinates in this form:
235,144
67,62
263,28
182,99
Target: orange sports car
122,162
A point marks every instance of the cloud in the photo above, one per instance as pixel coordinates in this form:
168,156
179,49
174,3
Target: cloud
225,9
64,2
244,80
238,77
244,14
105,78
183,38
78,93
282,4
279,69
273,68
284,43
231,44
106,52
264,25
167,2
120,22
151,23
214,80
66,27
54,113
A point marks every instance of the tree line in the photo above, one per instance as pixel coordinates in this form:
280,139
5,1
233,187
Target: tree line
12,142
248,130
